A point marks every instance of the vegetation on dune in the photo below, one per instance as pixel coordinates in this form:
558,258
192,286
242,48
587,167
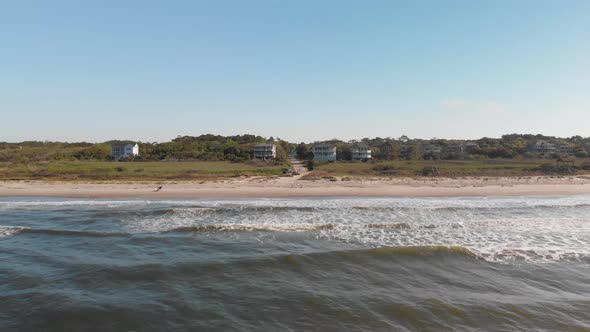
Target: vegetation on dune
183,148
158,170
447,168
510,155
215,156
513,146
183,158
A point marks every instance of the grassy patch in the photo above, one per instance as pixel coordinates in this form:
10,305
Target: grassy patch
447,168
141,171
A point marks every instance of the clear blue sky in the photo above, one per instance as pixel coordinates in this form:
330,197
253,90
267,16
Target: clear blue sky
302,70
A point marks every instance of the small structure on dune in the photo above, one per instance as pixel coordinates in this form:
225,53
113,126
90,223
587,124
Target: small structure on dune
563,165
566,161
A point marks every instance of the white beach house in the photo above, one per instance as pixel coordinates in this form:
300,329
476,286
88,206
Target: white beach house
324,151
265,151
122,151
432,149
542,147
360,151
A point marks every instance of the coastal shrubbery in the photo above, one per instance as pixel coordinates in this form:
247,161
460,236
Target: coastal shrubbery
205,147
513,146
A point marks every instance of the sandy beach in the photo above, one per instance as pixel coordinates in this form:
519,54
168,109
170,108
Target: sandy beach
293,187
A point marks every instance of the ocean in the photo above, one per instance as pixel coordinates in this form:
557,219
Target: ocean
329,264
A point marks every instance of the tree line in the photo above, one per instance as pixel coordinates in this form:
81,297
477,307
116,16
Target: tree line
236,148
404,148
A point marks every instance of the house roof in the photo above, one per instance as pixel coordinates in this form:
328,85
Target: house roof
543,142
323,145
122,145
360,146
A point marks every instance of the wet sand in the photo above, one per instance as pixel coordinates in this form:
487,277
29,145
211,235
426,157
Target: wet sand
294,187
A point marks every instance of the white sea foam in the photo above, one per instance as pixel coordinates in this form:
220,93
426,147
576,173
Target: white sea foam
326,203
497,229
506,228
6,231
57,204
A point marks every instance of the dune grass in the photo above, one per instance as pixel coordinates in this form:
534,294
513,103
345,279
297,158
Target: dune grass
138,171
448,168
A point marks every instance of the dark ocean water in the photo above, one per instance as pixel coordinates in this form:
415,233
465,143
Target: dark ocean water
379,264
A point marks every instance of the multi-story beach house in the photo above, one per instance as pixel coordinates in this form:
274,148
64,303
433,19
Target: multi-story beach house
566,149
122,151
432,151
265,151
360,151
455,148
454,151
542,147
324,151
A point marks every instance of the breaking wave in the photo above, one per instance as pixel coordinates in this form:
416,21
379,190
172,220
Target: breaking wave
6,231
495,229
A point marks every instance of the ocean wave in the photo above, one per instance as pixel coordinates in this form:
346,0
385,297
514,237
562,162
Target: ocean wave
281,204
466,207
249,228
6,231
414,251
36,204
65,232
502,255
292,227
537,255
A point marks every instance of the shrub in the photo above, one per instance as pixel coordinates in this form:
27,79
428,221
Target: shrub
546,167
381,168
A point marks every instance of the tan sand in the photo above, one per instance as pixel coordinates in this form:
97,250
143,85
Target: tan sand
293,187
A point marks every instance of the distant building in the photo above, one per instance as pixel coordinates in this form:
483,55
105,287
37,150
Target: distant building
542,147
360,151
455,148
122,151
265,151
470,146
454,151
566,149
431,149
324,151
386,150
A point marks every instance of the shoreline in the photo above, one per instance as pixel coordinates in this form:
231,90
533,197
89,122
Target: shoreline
291,187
